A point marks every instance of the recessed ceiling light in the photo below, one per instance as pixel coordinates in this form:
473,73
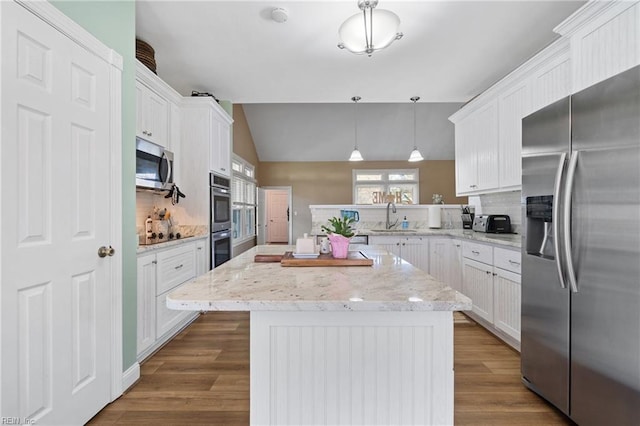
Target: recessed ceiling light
280,15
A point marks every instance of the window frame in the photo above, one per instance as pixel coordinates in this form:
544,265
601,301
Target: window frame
243,200
384,182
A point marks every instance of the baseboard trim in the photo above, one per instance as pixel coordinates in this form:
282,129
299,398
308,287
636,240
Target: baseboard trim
130,376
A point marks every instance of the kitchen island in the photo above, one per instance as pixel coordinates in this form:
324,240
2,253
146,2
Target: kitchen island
339,345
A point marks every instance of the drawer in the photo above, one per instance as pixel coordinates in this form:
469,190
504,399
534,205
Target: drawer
175,266
478,252
167,318
507,259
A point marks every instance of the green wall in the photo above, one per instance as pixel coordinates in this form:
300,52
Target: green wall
114,23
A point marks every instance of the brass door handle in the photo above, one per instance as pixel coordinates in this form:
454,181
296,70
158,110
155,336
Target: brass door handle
104,251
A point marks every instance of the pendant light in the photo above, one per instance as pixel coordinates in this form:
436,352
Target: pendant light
415,154
355,155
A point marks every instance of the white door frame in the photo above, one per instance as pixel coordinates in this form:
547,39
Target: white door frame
289,201
58,20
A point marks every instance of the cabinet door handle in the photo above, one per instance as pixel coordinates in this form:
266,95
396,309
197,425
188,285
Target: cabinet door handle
397,244
494,274
475,252
199,248
223,169
154,262
403,243
514,263
487,272
179,266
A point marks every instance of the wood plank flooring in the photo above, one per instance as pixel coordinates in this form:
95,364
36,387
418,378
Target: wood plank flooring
202,377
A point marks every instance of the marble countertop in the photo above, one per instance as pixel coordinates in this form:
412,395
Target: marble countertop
391,284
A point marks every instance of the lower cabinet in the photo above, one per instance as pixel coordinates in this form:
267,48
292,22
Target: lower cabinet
491,279
159,273
413,249
445,261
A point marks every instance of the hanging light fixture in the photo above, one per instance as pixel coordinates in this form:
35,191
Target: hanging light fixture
415,154
360,39
355,155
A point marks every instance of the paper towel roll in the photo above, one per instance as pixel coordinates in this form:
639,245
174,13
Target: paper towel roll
434,216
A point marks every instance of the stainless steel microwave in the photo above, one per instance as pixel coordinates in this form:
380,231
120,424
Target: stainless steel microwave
154,166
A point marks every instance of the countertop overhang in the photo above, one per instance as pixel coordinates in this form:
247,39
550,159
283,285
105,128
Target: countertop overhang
391,284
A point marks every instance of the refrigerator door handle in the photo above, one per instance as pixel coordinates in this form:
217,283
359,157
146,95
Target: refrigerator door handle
566,220
555,217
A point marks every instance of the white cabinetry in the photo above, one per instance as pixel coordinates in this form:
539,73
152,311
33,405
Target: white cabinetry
157,109
478,143
159,273
413,249
152,115
491,278
605,40
201,257
445,261
220,149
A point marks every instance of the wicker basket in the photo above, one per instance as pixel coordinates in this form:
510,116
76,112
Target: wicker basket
146,55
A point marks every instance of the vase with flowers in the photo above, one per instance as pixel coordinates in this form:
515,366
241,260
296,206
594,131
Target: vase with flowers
339,233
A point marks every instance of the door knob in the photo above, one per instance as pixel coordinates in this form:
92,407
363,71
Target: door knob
104,251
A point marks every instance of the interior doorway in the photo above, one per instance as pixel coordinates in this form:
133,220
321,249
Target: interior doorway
274,215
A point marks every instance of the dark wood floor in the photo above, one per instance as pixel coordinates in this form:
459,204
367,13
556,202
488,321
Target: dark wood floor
202,377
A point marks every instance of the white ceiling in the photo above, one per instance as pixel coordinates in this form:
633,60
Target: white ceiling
450,52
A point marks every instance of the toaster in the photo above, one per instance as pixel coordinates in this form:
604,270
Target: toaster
492,223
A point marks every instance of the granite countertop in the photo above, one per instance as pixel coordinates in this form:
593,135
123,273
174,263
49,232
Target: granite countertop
172,243
391,284
510,240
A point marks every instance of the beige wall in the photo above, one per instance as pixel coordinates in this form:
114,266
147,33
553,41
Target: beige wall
243,145
330,183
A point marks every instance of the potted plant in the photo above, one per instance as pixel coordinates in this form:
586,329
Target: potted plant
339,233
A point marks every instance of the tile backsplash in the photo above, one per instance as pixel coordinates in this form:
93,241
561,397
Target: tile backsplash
148,201
501,203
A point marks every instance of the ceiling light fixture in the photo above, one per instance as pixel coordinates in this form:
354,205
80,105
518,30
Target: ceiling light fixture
355,155
359,40
280,15
415,154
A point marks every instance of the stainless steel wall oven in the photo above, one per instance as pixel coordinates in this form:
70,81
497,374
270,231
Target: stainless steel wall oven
220,219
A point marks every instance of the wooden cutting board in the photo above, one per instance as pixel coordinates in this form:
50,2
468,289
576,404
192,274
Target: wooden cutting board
355,258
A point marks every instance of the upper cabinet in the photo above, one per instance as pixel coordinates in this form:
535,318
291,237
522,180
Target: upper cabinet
600,40
152,115
605,40
156,103
220,146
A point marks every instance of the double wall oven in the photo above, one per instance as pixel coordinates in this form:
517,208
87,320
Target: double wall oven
220,219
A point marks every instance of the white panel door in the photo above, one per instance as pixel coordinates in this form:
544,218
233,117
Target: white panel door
55,293
147,268
507,302
466,158
513,106
478,286
415,250
438,259
278,216
455,265
486,140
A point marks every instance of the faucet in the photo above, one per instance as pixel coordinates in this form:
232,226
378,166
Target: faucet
389,225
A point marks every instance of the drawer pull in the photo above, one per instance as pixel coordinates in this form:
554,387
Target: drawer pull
514,263
475,252
487,272
179,266
154,262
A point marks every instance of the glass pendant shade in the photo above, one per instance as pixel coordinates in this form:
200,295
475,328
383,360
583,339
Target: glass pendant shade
415,155
356,156
377,30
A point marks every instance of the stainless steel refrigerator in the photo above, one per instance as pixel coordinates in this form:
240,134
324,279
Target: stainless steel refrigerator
581,253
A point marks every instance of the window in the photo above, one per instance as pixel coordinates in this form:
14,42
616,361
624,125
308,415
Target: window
373,186
243,198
